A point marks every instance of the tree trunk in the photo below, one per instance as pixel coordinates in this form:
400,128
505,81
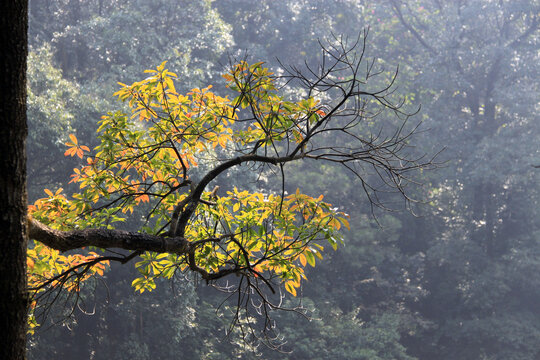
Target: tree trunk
13,234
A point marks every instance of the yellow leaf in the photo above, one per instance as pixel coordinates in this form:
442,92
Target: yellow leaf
289,286
310,258
170,84
303,260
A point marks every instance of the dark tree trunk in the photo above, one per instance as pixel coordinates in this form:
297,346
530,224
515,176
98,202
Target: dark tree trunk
13,234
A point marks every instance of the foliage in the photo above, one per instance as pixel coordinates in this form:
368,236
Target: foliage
53,107
135,165
102,41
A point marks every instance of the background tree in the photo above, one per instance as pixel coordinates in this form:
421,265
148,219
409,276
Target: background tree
481,54
55,109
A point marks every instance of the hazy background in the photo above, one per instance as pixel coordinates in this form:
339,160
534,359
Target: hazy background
458,279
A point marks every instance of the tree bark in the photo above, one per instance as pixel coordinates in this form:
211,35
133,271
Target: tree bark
105,239
13,233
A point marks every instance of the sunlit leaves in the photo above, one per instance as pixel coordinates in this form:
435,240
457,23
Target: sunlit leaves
270,234
146,160
46,266
75,148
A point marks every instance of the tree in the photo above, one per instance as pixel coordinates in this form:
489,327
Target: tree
55,106
163,159
100,42
13,290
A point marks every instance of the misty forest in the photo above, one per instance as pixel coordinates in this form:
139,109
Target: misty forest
292,179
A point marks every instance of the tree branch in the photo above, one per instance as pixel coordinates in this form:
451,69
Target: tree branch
105,239
397,11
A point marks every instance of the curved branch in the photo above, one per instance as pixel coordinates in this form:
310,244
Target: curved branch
212,174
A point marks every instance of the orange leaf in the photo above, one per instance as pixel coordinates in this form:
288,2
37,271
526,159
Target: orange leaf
143,198
73,138
71,151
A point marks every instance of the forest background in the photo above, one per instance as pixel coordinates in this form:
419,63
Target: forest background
453,277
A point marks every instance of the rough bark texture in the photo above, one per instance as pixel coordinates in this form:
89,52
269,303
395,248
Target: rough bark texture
105,239
13,237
